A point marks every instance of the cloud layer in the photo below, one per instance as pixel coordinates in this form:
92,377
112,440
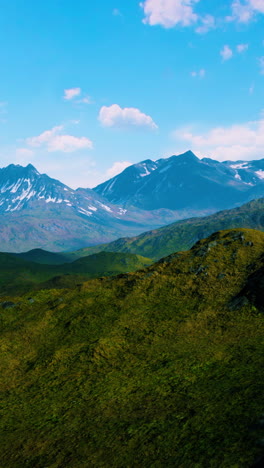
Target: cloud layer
53,141
170,13
235,142
244,11
115,116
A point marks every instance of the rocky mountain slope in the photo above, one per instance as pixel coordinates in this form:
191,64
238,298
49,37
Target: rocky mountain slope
162,367
39,212
185,182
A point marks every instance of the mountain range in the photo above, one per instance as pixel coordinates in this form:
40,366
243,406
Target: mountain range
185,182
181,235
37,211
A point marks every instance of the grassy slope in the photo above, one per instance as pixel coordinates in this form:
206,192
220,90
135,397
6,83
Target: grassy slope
183,234
153,368
17,276
43,257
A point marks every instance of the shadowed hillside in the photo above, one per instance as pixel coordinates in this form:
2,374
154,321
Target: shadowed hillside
17,276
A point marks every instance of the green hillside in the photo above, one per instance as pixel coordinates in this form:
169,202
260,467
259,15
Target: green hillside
162,367
183,234
17,276
44,257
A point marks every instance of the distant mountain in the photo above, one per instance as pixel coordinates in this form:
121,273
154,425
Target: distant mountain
185,182
182,235
40,212
23,188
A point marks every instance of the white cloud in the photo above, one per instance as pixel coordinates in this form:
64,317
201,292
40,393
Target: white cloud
52,140
257,5
200,74
71,93
116,168
242,13
169,13
261,64
115,116
208,23
235,142
245,11
242,48
69,143
226,53
44,137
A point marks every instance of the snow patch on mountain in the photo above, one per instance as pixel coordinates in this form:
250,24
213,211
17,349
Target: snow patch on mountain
106,207
260,174
25,188
239,166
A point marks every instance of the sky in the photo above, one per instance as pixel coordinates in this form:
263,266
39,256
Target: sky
89,87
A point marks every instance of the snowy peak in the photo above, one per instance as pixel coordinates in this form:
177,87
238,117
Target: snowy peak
24,188
145,168
119,187
20,185
184,182
249,172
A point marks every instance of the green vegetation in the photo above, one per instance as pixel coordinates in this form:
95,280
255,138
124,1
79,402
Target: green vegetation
183,234
161,367
44,257
17,276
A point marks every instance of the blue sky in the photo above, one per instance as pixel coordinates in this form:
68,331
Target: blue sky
88,88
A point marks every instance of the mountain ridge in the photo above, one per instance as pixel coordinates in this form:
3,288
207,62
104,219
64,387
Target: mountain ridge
40,212
183,234
185,181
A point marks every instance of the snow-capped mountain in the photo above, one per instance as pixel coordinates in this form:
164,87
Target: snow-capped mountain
121,186
186,182
25,188
37,211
